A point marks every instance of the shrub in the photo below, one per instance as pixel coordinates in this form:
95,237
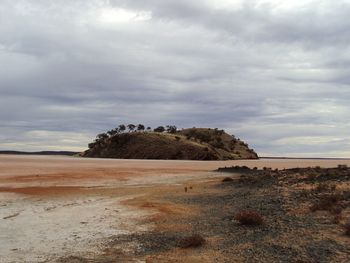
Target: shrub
329,203
337,218
248,179
227,179
324,187
217,144
347,229
249,218
203,136
311,176
307,261
342,167
192,241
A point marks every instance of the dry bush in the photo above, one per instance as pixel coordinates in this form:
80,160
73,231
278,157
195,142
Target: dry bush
329,202
307,261
336,210
249,218
325,187
311,176
347,229
337,218
248,179
227,179
192,241
304,193
342,167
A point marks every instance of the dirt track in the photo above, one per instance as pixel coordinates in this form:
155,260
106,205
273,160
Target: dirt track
64,207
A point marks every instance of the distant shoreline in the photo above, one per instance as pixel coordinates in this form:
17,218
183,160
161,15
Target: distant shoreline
67,153
305,158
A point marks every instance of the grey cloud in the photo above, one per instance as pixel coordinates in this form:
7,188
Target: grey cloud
263,73
315,25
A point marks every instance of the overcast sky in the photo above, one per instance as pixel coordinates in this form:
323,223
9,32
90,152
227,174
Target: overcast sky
275,73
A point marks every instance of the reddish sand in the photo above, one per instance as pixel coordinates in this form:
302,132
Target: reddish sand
29,169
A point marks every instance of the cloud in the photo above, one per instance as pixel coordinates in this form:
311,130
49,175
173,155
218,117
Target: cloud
273,72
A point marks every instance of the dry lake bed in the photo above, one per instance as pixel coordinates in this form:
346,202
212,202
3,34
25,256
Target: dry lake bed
68,209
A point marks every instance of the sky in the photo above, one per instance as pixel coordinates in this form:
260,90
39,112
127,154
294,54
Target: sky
274,73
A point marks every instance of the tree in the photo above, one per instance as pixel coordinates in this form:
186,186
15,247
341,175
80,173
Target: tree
113,132
140,127
102,136
149,128
100,139
110,132
91,145
159,129
131,127
122,128
171,128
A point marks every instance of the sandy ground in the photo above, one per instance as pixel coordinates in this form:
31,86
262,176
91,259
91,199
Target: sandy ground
53,207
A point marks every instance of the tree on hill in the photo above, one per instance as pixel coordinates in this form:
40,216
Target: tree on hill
131,127
91,145
100,139
218,132
140,127
171,128
101,136
110,132
149,128
159,129
113,132
122,128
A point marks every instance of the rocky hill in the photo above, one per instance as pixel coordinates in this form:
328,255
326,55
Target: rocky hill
185,144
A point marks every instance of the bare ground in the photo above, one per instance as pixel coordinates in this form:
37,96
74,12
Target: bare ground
61,209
